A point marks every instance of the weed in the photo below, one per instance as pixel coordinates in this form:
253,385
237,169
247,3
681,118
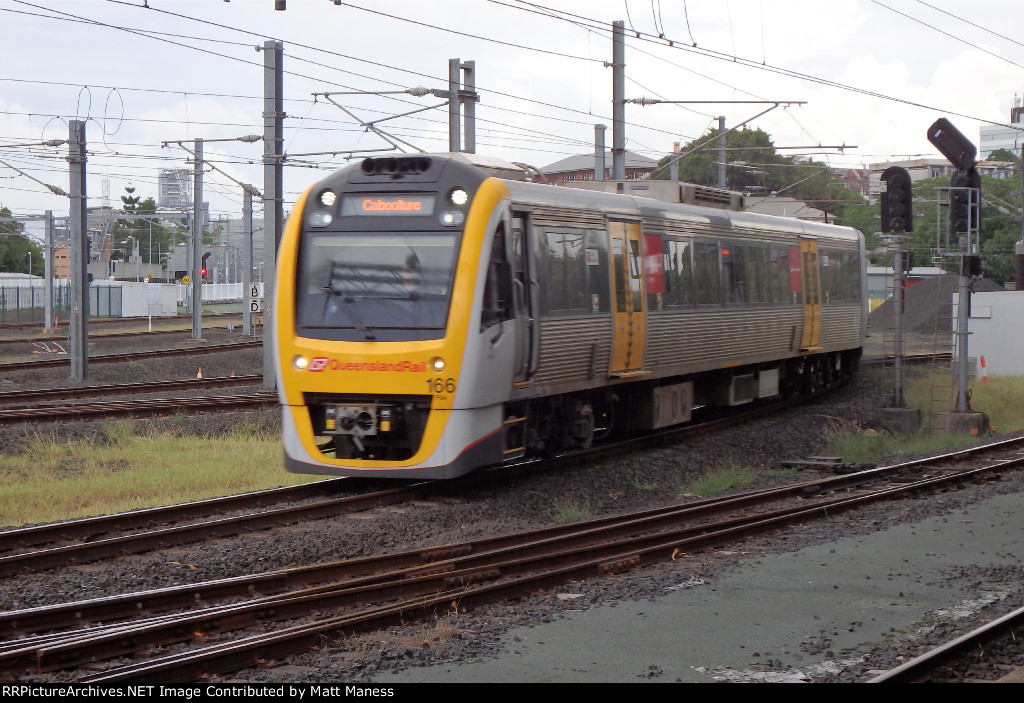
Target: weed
718,482
570,511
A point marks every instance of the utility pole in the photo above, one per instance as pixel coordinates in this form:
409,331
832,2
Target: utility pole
48,269
721,151
467,100
273,192
599,151
197,241
461,96
78,342
618,101
247,282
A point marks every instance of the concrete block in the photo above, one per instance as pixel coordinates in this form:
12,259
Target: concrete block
900,420
968,423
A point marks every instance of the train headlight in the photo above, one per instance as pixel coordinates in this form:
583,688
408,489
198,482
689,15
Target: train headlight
437,364
328,198
299,362
458,197
320,219
452,218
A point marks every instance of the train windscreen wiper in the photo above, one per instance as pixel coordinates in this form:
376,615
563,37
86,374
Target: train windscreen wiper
335,290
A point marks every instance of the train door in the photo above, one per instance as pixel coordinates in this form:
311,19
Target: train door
809,267
629,318
525,302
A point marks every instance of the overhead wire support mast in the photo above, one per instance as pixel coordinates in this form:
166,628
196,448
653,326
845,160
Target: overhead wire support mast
389,138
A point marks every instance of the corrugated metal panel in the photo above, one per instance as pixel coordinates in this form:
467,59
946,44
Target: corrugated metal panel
569,347
841,326
564,217
707,339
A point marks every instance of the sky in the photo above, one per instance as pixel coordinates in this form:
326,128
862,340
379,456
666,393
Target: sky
857,82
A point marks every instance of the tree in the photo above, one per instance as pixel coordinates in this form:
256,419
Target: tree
754,165
1003,155
998,236
15,248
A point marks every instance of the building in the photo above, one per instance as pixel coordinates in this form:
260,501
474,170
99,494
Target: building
1011,138
920,169
581,168
174,188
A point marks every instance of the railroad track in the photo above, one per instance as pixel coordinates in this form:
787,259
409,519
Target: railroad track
153,407
14,398
132,356
379,591
986,653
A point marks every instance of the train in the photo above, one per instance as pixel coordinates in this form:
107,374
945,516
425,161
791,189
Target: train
433,316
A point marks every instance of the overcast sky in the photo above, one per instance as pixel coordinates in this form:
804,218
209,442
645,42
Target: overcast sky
871,76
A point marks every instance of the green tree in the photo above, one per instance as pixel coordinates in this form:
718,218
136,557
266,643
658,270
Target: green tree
1003,155
15,248
998,234
754,165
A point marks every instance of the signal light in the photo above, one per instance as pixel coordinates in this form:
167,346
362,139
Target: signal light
897,201
965,216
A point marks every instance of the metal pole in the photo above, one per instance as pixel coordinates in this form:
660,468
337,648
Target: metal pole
618,101
599,152
48,270
469,84
197,242
962,304
247,283
898,295
273,192
78,330
721,153
454,129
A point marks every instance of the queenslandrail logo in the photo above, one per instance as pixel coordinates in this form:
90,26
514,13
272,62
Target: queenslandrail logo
322,363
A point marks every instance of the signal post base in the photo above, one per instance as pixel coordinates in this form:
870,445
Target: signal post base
969,423
900,420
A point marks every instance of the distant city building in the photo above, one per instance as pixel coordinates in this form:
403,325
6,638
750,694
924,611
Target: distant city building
581,168
175,188
1011,138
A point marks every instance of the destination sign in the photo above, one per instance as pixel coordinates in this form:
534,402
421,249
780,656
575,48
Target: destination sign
385,205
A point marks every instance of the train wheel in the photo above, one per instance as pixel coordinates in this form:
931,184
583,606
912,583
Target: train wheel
583,426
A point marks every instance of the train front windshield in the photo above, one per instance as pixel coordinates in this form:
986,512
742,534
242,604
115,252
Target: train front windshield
373,282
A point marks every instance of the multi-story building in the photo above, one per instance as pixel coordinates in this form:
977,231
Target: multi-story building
175,188
1011,137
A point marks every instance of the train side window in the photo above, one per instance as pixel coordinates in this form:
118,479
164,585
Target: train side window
840,276
595,258
734,278
564,273
707,278
497,302
678,272
778,272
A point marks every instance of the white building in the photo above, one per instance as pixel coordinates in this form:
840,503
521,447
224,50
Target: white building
1011,137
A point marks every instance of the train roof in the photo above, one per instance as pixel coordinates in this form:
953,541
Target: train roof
540,195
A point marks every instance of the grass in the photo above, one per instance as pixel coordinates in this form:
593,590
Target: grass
53,479
570,511
717,482
1001,398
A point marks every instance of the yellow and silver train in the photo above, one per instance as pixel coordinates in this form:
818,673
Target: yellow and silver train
432,318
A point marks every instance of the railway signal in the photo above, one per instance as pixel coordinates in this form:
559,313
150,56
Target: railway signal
897,201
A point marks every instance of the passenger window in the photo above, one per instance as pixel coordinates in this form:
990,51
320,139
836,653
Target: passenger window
497,303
